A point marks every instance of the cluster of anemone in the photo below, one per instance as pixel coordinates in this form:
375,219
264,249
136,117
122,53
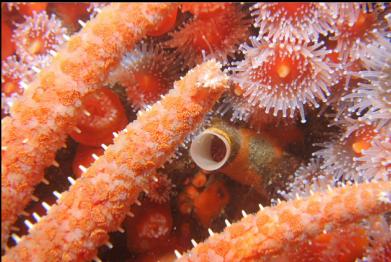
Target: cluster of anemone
353,36
292,21
375,162
283,77
285,69
361,152
298,61
37,39
369,103
302,57
338,157
14,76
307,179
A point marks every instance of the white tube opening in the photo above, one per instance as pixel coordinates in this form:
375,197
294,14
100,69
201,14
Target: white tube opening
203,151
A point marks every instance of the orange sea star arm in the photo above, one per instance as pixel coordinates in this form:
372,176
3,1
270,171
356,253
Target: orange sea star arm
264,235
42,118
98,202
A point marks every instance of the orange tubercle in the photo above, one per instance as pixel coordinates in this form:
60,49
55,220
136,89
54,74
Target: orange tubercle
343,245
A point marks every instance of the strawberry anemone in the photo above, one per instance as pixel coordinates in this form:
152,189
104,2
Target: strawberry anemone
284,76
292,21
214,34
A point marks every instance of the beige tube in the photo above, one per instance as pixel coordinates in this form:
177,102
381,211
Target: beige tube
201,149
256,160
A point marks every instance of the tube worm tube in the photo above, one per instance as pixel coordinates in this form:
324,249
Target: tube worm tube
243,155
98,202
266,234
202,146
41,119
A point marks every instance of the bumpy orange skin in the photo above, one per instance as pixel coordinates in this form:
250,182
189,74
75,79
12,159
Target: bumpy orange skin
343,245
267,234
50,103
98,202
